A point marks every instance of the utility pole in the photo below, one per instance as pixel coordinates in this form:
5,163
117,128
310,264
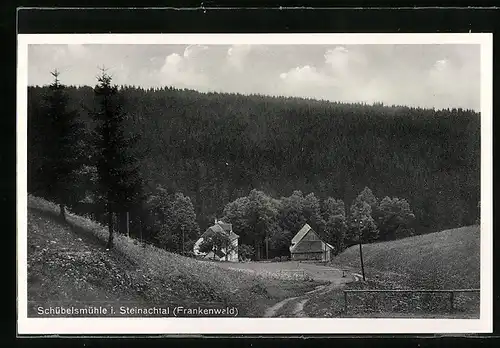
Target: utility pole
128,228
361,249
183,250
140,228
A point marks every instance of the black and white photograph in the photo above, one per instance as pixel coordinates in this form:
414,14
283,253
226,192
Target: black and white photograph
224,183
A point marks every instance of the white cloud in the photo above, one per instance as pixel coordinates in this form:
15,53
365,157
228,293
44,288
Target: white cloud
237,54
451,86
192,51
423,75
307,81
439,76
322,81
182,70
305,75
337,59
172,63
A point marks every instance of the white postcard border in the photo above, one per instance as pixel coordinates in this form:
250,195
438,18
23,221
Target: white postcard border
260,325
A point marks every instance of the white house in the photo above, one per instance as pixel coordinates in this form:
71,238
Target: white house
220,226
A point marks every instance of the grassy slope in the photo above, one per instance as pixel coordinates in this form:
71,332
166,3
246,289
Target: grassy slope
441,260
68,263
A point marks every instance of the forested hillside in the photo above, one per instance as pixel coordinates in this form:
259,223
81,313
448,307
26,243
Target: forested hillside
215,148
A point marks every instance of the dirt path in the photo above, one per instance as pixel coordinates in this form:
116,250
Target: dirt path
293,307
271,311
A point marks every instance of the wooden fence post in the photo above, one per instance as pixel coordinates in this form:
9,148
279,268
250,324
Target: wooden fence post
345,302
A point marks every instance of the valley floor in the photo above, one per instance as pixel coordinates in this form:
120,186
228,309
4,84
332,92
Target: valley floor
69,265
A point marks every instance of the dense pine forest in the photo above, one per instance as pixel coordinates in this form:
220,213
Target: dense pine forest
214,148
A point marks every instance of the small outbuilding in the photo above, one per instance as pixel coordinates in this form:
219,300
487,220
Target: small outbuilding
307,245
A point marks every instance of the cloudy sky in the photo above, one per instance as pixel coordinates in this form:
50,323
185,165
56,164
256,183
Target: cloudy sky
437,76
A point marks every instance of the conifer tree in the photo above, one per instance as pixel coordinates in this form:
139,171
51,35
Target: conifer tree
62,153
119,181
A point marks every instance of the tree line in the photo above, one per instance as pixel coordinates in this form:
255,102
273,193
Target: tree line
202,152
268,224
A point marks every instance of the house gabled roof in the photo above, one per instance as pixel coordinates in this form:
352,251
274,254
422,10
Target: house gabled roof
302,232
224,228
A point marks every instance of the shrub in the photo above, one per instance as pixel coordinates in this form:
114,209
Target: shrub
190,254
277,259
246,251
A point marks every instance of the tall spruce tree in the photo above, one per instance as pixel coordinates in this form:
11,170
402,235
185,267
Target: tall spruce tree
119,181
62,147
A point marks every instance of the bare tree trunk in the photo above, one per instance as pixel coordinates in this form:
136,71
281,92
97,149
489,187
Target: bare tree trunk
128,224
267,248
140,228
361,257
62,212
110,229
123,223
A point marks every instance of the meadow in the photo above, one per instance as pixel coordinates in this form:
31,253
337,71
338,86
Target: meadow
443,260
68,263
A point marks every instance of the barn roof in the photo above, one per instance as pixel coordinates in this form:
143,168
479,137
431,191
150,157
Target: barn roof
302,232
304,246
